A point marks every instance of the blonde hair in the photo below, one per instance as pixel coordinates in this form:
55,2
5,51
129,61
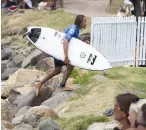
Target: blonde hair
136,107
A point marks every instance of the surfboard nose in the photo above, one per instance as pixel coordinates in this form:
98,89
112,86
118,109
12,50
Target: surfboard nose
34,34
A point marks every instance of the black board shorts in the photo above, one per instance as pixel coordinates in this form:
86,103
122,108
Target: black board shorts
58,63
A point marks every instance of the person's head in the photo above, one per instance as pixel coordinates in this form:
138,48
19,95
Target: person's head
141,120
122,10
135,109
80,21
122,104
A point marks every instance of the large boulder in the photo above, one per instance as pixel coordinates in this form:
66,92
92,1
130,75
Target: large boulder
18,60
104,126
36,114
23,127
45,64
31,99
5,75
4,65
19,91
57,99
6,125
33,57
5,42
7,111
5,53
13,54
19,78
22,110
49,124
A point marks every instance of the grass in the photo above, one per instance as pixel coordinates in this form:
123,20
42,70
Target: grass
129,78
80,122
58,20
82,79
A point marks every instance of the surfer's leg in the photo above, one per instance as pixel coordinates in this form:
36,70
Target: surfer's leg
56,71
67,74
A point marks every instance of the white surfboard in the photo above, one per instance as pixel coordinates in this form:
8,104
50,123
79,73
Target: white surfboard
80,54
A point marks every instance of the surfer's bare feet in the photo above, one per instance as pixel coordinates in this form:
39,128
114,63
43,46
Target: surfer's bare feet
38,87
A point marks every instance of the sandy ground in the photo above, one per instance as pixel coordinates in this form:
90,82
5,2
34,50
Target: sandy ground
87,7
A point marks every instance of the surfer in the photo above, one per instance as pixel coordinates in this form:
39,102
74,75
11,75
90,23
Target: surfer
71,31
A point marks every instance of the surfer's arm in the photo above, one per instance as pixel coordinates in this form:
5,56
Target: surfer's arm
65,47
67,38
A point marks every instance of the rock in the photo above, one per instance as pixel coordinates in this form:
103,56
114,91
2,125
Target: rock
4,76
11,71
52,83
16,47
4,62
100,77
49,124
19,91
7,111
4,65
3,127
13,54
36,114
20,77
57,99
17,120
11,64
23,127
8,72
32,100
6,124
5,53
18,60
13,96
5,42
32,58
97,126
45,64
104,126
22,110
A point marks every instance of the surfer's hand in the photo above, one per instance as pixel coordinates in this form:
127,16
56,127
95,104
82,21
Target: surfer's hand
66,60
87,42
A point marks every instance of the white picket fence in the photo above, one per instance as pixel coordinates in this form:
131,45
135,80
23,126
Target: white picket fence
120,39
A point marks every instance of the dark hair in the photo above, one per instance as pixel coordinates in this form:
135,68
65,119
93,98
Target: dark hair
124,101
143,109
79,20
122,9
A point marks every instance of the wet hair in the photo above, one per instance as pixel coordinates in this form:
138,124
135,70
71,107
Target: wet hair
79,20
124,101
143,109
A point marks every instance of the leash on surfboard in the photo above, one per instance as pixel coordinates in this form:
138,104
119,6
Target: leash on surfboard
27,33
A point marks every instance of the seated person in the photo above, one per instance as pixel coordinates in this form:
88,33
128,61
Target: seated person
121,109
134,111
141,120
25,4
121,12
